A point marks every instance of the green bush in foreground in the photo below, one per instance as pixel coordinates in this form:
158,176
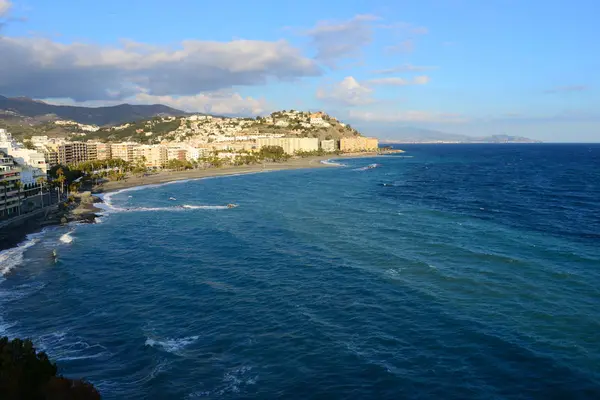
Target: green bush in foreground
27,374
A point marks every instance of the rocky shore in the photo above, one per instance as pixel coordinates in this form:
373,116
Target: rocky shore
82,209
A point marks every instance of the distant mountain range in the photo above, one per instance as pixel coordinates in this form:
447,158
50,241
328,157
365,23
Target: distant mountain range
418,135
23,107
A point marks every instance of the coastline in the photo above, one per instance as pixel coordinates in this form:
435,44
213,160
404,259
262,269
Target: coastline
173,176
84,210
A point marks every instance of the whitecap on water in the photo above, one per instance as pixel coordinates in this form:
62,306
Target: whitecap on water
66,238
14,257
64,347
172,345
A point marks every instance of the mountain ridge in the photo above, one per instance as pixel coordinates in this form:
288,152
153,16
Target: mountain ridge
15,107
420,135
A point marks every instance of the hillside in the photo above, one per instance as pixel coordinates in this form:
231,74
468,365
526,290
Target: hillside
26,109
199,128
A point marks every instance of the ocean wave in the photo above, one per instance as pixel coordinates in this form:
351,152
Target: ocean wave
233,381
63,347
370,166
66,238
11,258
172,345
330,162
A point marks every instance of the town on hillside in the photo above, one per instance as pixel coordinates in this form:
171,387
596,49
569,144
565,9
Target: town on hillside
28,164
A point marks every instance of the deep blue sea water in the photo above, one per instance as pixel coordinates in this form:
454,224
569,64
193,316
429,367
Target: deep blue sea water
449,272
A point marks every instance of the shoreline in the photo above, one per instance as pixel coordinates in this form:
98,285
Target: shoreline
174,176
85,211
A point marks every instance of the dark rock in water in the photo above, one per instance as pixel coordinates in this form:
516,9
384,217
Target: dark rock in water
63,220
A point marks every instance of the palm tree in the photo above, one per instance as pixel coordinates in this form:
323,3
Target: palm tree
42,181
61,180
19,186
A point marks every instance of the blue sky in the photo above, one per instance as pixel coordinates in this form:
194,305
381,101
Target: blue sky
527,68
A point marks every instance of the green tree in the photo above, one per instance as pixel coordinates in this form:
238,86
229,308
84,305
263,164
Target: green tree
28,374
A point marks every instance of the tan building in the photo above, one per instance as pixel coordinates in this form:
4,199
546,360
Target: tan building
72,153
9,194
175,153
358,144
328,145
290,145
124,150
51,156
155,156
98,151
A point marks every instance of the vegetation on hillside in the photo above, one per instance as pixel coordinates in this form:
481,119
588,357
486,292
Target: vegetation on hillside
28,374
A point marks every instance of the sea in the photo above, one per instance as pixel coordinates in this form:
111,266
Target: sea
445,272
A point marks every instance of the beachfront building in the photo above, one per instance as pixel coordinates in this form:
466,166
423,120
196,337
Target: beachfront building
32,162
328,145
10,174
176,153
72,153
50,155
155,156
98,151
358,144
124,150
290,145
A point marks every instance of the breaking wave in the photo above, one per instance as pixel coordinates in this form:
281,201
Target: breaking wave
13,257
172,345
66,238
331,162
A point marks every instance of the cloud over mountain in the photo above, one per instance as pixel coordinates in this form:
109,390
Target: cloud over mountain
42,68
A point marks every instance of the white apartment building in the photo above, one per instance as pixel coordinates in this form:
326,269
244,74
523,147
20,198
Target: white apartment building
291,145
33,163
328,145
9,194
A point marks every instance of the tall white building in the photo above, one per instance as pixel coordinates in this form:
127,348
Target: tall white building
32,162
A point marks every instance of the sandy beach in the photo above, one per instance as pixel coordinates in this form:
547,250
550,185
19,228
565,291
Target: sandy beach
170,176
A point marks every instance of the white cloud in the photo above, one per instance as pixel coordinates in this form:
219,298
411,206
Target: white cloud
405,116
389,81
221,103
341,40
393,81
42,68
5,5
348,92
403,68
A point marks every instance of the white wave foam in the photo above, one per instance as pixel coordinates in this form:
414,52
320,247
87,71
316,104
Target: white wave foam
172,345
331,162
370,166
66,238
204,207
62,347
11,258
